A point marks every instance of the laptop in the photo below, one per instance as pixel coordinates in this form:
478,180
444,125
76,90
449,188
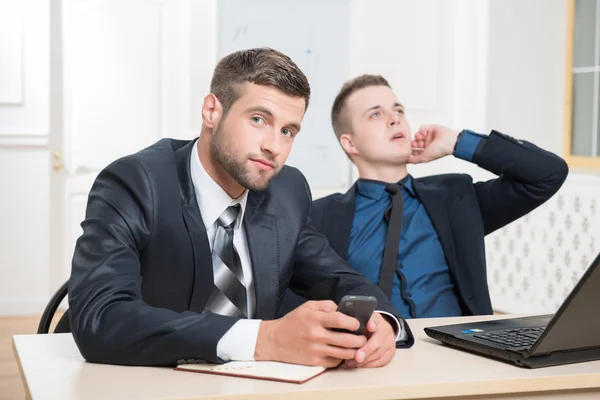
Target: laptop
571,335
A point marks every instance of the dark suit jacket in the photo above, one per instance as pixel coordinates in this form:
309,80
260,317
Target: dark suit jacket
462,212
142,270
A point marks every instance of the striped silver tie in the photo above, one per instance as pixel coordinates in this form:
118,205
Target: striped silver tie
228,296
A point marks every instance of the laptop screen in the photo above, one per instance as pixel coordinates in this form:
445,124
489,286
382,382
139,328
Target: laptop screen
576,324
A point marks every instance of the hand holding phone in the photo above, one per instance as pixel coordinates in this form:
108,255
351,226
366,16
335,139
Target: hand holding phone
359,307
304,336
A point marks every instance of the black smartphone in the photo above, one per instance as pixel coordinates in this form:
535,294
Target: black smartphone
359,307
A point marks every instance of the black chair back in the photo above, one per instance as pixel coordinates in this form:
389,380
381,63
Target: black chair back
63,324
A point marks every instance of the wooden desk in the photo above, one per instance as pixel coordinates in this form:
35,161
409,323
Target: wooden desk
52,368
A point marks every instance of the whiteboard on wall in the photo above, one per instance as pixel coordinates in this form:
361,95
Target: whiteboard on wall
315,35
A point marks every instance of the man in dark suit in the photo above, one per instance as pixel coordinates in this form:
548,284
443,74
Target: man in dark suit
189,246
422,240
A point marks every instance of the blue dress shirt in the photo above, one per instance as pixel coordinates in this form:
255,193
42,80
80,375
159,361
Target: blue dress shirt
423,286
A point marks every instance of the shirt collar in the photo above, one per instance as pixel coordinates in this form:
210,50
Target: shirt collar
212,199
375,190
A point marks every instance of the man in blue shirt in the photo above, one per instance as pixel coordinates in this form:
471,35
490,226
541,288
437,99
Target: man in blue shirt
422,240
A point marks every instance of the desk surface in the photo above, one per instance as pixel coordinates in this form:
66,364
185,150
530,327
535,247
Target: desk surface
52,368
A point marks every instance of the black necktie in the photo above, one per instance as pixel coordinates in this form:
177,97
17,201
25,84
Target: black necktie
393,215
228,296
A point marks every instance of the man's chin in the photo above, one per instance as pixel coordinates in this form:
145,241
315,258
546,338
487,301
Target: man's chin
259,182
259,187
401,159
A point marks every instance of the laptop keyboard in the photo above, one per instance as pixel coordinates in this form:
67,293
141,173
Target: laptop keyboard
520,337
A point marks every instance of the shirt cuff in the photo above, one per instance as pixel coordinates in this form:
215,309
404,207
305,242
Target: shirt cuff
468,143
398,326
239,342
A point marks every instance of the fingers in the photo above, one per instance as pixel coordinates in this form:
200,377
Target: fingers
362,359
330,362
323,361
335,352
419,137
329,356
418,141
425,135
374,343
387,344
371,327
338,320
381,361
426,129
417,159
418,149
373,322
321,331
381,342
339,339
324,305
384,358
346,340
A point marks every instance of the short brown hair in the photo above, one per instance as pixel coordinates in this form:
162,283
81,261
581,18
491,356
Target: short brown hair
340,123
262,66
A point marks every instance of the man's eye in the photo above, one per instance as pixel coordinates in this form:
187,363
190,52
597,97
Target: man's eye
258,120
375,114
399,111
287,132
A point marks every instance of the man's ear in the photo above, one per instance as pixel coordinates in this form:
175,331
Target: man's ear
212,111
347,142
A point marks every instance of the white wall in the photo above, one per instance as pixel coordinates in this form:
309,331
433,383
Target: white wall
535,262
126,84
440,78
24,232
121,79
526,70
24,164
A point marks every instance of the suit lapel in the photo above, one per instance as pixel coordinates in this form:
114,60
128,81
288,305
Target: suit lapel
263,245
434,202
203,275
338,221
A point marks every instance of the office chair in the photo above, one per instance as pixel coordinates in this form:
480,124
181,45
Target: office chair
63,324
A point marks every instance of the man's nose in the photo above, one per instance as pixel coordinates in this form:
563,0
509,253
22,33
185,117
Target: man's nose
394,119
272,143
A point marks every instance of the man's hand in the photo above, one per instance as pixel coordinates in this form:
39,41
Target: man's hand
379,349
436,141
304,336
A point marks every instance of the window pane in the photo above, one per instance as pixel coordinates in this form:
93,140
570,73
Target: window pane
585,32
583,106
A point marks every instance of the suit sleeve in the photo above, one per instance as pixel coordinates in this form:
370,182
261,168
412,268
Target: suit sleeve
317,213
528,176
321,274
110,321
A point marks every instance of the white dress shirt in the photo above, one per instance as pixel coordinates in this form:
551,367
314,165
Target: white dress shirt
239,341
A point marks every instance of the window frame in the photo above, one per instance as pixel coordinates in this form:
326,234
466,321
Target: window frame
584,162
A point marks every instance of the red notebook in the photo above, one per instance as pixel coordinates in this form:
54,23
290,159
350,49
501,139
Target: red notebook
267,370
